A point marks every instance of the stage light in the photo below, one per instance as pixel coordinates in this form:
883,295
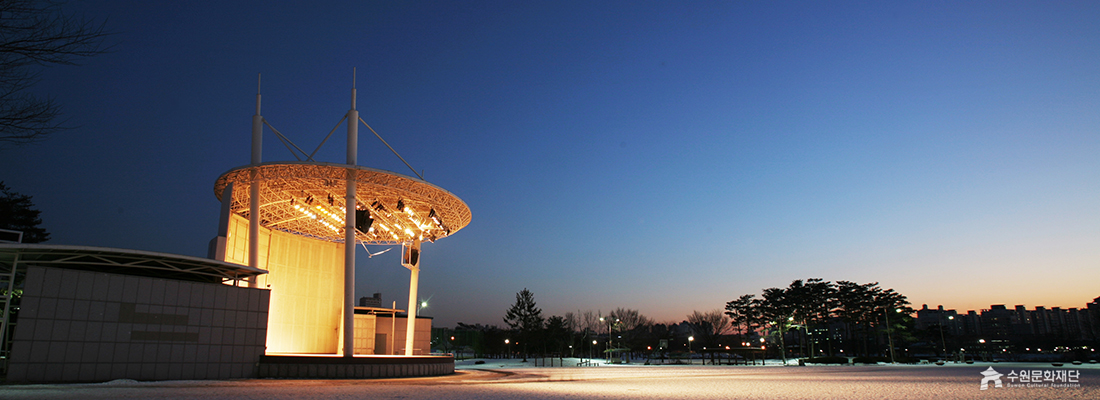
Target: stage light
410,257
363,220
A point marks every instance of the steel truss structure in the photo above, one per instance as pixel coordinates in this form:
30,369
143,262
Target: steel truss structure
124,262
307,198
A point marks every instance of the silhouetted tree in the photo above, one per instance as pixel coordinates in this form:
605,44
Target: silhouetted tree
17,213
891,304
743,314
632,326
777,313
811,302
524,317
484,340
856,308
34,34
708,326
557,334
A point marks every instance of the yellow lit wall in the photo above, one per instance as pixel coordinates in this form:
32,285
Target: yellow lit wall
364,333
306,279
422,337
370,328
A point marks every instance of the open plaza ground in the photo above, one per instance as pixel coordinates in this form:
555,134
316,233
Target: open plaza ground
510,379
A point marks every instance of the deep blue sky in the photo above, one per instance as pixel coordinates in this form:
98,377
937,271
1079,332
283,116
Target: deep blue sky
661,156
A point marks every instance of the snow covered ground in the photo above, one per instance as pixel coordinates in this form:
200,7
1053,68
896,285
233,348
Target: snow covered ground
511,379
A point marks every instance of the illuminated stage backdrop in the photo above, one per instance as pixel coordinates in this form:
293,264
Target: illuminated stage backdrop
294,219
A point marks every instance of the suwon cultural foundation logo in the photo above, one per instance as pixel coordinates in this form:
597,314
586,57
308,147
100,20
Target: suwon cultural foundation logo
1031,378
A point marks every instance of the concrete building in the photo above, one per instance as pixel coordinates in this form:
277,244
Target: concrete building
1018,325
375,301
94,314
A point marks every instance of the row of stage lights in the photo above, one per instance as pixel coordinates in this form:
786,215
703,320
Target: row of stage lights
365,219
321,218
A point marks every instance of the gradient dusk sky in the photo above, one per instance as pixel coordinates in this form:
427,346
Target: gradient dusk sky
662,156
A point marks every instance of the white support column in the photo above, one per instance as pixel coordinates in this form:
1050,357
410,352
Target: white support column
393,328
349,231
410,330
254,191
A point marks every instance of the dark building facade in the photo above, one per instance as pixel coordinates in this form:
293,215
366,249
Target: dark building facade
1005,329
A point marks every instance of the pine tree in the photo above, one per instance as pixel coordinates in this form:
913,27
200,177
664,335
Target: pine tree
524,317
17,213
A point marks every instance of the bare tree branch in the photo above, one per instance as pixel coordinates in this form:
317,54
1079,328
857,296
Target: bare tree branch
34,35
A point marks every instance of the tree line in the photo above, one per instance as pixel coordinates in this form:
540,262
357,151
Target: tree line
820,313
807,318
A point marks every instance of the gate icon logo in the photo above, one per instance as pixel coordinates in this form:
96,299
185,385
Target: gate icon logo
991,375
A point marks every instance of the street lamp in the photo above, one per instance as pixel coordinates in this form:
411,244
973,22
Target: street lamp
889,337
509,343
690,339
942,340
609,331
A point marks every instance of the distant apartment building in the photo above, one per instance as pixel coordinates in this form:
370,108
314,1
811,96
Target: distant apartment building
375,301
998,323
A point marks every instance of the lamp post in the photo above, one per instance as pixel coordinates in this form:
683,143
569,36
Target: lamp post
509,344
609,330
608,320
943,341
889,337
690,339
764,353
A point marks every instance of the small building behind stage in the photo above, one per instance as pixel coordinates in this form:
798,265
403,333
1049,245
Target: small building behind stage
375,301
381,331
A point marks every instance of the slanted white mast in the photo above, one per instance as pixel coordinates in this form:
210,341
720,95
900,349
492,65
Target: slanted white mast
254,198
349,227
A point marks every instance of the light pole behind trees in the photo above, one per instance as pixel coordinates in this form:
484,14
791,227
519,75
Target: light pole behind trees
690,339
889,337
943,341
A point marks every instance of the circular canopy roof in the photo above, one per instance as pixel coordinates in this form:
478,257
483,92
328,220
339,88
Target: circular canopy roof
307,198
